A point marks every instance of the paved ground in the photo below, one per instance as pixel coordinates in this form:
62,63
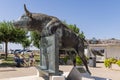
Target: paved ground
100,72
8,72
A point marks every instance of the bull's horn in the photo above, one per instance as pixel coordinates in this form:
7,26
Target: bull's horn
27,12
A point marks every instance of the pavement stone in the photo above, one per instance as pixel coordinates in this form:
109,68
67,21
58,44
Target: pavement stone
9,72
99,72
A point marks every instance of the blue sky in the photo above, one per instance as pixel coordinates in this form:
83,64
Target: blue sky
96,18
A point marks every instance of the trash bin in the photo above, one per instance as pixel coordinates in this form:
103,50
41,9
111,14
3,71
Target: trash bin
92,62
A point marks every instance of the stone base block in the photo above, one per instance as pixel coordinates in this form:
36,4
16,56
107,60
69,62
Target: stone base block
84,78
57,78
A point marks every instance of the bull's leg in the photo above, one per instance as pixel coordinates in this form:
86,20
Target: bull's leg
83,58
74,59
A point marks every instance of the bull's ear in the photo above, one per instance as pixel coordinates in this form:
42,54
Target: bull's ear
27,12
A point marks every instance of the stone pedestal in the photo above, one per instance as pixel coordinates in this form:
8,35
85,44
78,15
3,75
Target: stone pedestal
49,75
49,54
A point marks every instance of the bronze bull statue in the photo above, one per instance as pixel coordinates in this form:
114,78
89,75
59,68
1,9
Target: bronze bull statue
49,25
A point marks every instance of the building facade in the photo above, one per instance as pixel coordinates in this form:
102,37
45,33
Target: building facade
111,49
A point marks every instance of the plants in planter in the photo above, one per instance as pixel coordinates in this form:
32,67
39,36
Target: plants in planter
78,60
113,60
65,59
118,63
108,62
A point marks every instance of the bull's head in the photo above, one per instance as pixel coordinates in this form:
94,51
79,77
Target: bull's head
28,20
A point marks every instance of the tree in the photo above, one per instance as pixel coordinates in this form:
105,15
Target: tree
74,28
35,37
26,43
82,35
8,33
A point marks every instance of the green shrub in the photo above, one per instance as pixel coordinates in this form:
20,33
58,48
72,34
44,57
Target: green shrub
118,62
66,58
87,58
107,63
78,60
112,60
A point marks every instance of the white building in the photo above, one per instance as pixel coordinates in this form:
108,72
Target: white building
111,49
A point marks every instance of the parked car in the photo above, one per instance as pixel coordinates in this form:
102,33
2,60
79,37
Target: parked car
17,51
22,51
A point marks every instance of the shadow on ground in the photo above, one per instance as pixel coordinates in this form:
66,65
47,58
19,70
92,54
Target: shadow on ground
7,70
7,65
99,78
